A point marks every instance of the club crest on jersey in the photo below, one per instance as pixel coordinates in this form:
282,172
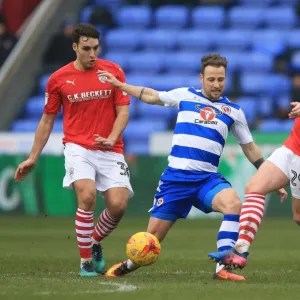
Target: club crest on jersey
102,78
226,109
207,115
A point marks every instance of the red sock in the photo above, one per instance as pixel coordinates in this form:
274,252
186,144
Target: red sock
105,225
84,224
251,216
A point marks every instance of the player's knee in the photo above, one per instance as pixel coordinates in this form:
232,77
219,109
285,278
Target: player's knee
233,207
87,201
251,186
296,218
118,208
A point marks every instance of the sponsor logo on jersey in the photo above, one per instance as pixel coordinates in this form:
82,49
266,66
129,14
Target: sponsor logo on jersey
93,95
208,115
72,82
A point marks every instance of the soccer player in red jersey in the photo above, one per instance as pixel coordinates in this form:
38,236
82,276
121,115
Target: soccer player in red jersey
280,169
94,117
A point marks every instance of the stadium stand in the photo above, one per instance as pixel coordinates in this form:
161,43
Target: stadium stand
161,47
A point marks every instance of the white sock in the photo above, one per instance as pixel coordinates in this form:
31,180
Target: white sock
83,260
219,267
131,265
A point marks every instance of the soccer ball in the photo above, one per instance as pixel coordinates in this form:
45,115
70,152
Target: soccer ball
143,248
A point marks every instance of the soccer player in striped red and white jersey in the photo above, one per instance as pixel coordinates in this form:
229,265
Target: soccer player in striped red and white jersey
280,169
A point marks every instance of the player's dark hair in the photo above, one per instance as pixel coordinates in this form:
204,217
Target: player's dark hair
214,60
86,30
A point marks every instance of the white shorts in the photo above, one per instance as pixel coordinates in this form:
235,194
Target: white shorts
108,169
289,163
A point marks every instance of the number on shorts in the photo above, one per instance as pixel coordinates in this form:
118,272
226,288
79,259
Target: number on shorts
295,176
124,168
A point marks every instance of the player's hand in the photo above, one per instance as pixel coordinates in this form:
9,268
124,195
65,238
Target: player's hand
24,169
283,194
104,142
295,112
108,77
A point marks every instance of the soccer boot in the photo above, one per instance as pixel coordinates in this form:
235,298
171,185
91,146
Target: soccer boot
98,259
230,258
226,274
117,270
87,270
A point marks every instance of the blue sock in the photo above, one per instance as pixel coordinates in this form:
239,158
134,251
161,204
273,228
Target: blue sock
228,234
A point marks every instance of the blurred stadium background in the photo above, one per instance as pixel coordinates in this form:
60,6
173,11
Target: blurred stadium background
158,43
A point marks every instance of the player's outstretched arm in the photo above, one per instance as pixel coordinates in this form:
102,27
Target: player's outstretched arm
40,139
144,94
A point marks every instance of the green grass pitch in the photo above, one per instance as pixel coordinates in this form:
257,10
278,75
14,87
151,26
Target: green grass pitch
39,260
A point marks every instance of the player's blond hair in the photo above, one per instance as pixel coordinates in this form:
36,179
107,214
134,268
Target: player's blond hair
214,60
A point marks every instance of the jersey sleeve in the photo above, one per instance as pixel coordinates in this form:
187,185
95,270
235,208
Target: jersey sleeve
120,97
173,97
240,129
52,97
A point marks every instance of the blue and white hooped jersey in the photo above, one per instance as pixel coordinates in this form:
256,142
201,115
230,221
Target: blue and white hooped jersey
201,130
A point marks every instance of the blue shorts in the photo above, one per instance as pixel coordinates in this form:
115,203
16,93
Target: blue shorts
174,199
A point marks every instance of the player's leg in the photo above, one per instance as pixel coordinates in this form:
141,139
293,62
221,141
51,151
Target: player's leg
222,198
159,228
113,182
296,210
80,175
272,175
172,201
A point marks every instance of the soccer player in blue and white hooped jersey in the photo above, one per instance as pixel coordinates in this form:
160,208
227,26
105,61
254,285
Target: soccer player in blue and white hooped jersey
191,177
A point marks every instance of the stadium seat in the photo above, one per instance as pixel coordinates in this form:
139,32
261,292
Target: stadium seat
145,62
249,106
35,106
293,39
159,39
167,82
183,62
138,79
171,16
154,112
256,61
283,101
271,125
253,82
85,14
295,60
208,17
123,39
233,39
137,147
269,41
111,4
120,58
195,39
134,16
133,108
141,129
257,3
43,82
246,17
266,106
287,125
31,125
288,2
280,17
